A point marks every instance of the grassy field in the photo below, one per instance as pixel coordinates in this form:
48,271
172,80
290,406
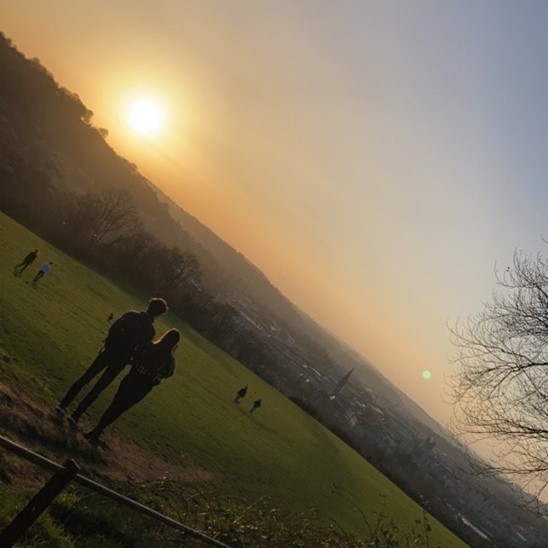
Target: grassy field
49,332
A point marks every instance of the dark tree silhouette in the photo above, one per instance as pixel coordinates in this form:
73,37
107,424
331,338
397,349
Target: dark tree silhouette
98,219
500,389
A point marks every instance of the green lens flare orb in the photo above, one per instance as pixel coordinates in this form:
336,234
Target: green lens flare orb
426,374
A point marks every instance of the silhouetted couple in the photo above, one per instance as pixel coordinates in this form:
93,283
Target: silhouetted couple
153,365
241,394
129,340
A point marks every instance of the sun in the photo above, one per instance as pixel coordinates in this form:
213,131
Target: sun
145,116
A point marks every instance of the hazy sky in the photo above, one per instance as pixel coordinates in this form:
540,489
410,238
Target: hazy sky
375,159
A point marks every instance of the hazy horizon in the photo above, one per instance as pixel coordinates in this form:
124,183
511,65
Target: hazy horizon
375,160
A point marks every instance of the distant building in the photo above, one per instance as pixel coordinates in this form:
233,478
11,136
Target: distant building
340,385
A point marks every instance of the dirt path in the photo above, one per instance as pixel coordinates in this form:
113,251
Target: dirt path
36,427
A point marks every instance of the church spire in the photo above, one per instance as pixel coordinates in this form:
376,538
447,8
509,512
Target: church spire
340,385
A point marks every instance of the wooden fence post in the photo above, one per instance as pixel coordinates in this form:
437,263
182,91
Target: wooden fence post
55,485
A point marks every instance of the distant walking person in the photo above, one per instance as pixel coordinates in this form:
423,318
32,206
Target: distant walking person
110,317
153,365
256,405
43,270
126,337
240,394
26,262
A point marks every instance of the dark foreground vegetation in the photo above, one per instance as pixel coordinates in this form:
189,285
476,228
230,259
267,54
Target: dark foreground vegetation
80,519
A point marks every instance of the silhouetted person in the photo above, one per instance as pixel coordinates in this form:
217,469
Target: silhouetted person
256,405
42,271
26,262
127,336
110,317
240,394
153,365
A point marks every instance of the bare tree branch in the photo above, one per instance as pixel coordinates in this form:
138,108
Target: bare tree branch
500,387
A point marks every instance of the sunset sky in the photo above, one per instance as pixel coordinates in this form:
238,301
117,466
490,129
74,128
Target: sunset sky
376,159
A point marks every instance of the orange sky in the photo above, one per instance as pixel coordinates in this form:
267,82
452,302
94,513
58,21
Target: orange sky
354,154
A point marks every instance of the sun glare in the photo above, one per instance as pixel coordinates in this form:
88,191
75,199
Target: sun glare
426,375
145,116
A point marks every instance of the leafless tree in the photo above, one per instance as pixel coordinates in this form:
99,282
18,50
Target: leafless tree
500,388
184,267
98,219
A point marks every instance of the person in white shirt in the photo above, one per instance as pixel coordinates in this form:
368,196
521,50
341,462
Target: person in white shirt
44,269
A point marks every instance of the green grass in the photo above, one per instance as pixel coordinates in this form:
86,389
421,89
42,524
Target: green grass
50,332
87,522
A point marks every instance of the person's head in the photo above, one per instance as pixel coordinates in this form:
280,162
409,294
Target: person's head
169,340
157,307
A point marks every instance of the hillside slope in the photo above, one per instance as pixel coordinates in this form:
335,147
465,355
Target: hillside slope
50,332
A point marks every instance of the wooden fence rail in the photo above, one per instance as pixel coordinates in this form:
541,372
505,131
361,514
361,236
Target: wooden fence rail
55,485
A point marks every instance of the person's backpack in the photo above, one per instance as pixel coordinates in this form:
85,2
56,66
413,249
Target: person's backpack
127,332
153,361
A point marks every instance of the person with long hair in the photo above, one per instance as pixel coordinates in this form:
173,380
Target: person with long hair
154,364
127,337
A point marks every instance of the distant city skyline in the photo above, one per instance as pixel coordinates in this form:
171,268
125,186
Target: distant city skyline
376,160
